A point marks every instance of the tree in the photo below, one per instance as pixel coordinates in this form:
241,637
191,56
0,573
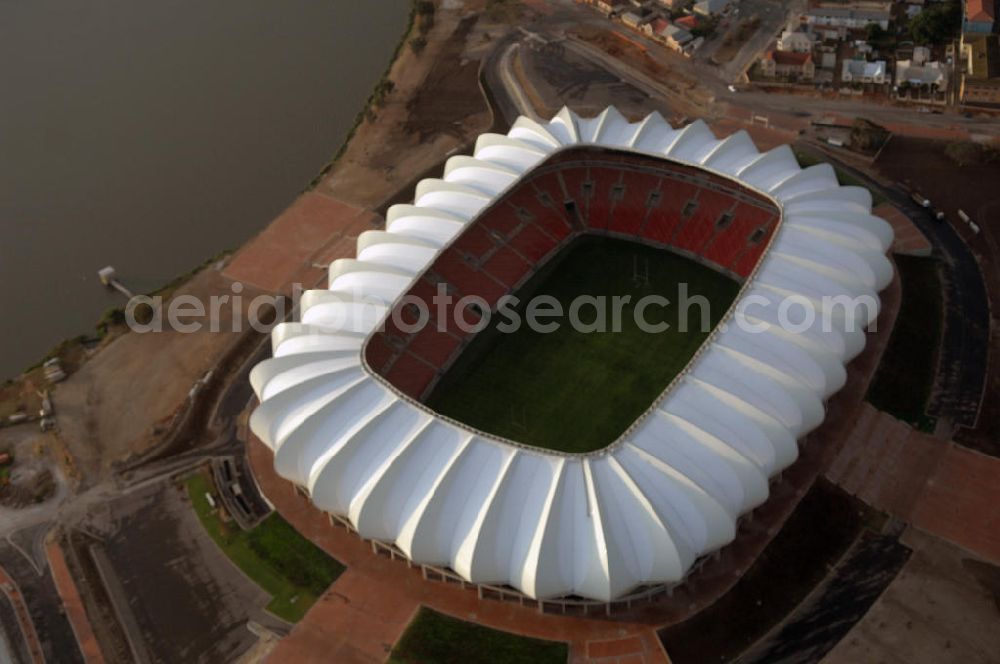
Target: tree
418,44
937,23
964,153
874,33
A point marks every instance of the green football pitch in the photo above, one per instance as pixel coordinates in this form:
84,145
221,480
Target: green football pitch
577,391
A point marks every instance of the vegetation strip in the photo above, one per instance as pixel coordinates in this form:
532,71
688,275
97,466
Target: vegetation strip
902,386
434,638
273,554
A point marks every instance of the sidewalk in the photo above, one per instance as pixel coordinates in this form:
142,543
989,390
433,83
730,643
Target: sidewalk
23,617
73,605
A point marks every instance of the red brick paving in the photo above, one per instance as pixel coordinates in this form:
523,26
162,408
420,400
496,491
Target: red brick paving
954,133
313,231
961,502
73,605
614,647
886,462
945,489
908,240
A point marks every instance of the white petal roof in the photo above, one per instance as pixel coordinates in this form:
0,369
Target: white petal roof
596,525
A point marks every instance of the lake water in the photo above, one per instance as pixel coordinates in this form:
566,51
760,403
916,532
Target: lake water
153,135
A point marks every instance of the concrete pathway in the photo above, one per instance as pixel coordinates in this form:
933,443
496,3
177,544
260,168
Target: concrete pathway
9,587
73,605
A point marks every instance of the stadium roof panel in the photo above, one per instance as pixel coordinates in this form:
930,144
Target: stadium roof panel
596,525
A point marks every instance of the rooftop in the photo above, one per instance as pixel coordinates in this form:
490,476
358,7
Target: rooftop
789,57
980,11
659,25
984,59
848,12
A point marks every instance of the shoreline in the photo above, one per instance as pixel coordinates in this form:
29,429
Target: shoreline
108,318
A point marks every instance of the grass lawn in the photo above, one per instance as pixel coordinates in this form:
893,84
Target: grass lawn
433,638
578,391
906,374
289,567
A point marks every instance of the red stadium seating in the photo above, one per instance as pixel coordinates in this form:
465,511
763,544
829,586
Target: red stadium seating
730,243
744,263
700,225
601,201
434,346
475,242
531,211
378,352
663,221
507,266
533,244
630,195
628,214
574,178
411,375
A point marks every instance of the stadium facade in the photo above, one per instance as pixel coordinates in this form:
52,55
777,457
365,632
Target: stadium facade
340,400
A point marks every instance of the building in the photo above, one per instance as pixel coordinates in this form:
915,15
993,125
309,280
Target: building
676,37
836,22
981,81
860,71
632,20
979,17
673,5
673,36
605,6
643,511
919,71
788,64
656,27
795,41
978,92
689,22
827,56
710,7
932,75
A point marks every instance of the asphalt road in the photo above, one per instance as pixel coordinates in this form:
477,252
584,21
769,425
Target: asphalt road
40,595
961,373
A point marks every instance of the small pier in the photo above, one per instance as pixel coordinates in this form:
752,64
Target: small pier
109,278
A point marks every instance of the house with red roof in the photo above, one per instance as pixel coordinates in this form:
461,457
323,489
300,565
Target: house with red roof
980,17
788,64
689,22
656,27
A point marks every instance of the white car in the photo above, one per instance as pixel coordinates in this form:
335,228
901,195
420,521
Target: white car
732,88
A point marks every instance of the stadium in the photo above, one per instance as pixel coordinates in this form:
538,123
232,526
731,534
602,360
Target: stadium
596,467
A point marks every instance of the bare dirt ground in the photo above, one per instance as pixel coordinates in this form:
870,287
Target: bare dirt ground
122,402
295,247
673,76
554,76
942,607
435,108
32,477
